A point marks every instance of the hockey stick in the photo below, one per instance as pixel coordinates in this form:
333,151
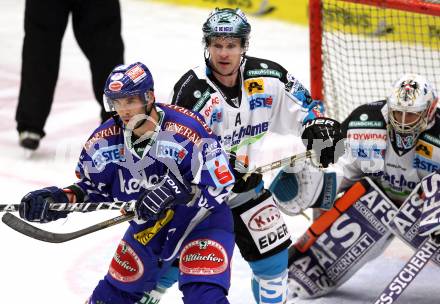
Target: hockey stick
23,227
408,272
76,207
46,236
290,160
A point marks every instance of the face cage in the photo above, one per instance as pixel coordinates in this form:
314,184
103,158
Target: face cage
415,127
109,104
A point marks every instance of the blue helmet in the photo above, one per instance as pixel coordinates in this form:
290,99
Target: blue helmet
125,81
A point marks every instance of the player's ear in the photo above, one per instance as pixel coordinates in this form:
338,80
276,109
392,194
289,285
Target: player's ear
151,97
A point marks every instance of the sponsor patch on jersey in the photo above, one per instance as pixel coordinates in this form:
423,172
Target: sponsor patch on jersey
171,150
264,72
254,86
203,257
217,116
207,111
368,152
266,224
366,135
186,132
264,218
201,100
190,114
219,170
424,149
425,164
136,73
126,265
237,135
110,131
260,101
369,124
111,154
134,185
431,139
212,150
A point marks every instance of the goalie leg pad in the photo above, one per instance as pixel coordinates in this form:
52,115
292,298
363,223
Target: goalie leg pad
269,279
409,220
331,252
260,230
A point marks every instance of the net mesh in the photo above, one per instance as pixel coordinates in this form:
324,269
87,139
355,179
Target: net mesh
366,48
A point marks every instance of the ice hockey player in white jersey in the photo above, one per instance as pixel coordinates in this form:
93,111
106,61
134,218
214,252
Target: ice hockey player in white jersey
391,146
242,98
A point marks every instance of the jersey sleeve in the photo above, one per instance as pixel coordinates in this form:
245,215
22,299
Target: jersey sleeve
294,107
214,176
92,184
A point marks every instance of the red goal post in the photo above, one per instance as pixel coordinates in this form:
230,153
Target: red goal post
358,48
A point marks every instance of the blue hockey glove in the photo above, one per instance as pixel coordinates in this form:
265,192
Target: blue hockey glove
34,206
322,135
170,191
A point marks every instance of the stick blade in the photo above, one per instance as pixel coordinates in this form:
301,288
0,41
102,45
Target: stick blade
31,231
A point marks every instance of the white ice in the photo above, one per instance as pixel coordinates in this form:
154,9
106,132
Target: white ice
168,40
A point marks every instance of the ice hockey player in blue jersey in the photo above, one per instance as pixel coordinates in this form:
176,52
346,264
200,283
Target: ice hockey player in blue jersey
168,161
242,99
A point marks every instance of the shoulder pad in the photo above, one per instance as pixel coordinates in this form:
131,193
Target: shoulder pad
191,124
257,67
191,92
366,116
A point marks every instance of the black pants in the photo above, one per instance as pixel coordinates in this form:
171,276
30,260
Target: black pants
97,29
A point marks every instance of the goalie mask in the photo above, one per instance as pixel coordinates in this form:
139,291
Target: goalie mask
411,110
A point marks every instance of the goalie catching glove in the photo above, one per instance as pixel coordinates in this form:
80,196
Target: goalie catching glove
34,206
322,135
170,191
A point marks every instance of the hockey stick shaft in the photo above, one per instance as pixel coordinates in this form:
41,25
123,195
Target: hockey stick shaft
36,233
288,161
77,207
408,272
25,228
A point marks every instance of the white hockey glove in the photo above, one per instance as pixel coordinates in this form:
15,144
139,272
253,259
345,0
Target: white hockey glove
304,185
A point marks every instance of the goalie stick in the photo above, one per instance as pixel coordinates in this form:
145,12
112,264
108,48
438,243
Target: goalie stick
27,229
408,272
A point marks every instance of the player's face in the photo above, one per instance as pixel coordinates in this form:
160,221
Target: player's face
407,118
129,107
225,54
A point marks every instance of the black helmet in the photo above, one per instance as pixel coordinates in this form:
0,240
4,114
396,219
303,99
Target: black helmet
226,22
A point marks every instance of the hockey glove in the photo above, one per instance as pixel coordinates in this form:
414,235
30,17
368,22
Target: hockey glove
243,181
152,203
302,186
322,135
34,206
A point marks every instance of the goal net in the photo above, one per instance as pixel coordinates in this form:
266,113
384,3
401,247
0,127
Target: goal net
359,48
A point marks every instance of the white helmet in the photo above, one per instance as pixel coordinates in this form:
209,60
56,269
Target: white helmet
411,105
